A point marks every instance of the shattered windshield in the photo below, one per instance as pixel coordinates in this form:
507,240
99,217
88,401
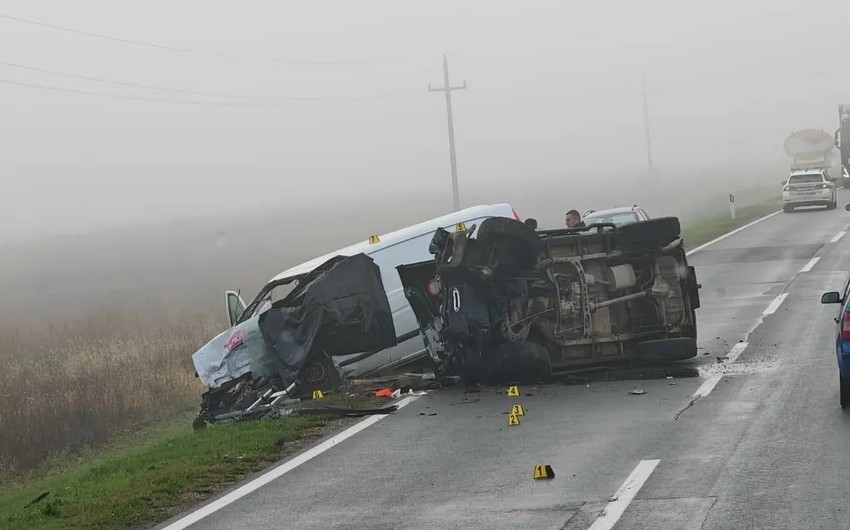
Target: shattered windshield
270,294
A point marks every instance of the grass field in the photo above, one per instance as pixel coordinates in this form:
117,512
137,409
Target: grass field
133,487
697,232
102,411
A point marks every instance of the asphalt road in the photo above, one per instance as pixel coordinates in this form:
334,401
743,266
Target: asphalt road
765,445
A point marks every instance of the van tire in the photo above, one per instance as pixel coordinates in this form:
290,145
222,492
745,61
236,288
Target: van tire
319,373
665,350
844,386
520,361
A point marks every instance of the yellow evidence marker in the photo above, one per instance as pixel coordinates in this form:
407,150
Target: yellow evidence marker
374,240
317,394
460,227
543,472
517,410
513,391
513,420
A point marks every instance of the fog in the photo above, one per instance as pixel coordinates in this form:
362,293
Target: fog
269,133
336,106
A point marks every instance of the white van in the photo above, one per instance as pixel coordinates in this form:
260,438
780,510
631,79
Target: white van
408,245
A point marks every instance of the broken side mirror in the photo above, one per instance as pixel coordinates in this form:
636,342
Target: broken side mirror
235,306
531,223
832,297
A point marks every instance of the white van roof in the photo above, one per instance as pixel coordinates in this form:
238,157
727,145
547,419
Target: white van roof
391,238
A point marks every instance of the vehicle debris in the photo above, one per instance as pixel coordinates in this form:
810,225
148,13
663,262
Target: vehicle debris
519,304
637,392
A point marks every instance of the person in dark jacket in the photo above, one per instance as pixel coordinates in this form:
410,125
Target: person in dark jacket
573,219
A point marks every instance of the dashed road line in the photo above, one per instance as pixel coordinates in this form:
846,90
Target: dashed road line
708,385
279,471
837,237
624,496
812,262
771,309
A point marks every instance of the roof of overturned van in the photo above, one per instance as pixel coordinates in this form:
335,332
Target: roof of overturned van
391,238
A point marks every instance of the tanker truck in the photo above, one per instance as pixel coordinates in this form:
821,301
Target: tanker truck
809,182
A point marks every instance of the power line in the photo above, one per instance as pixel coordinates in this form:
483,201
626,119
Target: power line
166,47
118,96
122,83
164,100
179,90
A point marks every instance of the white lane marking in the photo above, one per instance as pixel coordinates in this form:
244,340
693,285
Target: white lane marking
624,496
281,470
733,232
837,237
812,262
736,351
771,309
708,385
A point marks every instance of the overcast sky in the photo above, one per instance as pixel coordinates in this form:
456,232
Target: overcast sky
327,101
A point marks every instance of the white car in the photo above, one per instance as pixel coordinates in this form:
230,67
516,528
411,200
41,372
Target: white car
616,216
809,187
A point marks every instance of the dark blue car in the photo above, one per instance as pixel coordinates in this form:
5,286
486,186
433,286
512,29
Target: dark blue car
842,340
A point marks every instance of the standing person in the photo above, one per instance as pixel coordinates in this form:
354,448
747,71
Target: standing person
573,219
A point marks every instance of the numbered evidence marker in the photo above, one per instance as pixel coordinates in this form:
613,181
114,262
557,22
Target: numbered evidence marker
517,410
460,227
543,472
513,391
374,240
513,420
317,394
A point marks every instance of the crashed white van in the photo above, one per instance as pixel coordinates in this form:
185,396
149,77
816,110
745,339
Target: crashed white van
218,362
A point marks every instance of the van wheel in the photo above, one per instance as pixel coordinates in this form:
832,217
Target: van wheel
319,373
664,350
845,391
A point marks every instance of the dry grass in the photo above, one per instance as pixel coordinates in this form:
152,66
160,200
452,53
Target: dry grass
78,384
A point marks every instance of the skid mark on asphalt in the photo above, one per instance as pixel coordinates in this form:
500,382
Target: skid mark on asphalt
624,496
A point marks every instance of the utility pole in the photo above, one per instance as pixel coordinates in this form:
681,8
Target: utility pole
448,88
644,93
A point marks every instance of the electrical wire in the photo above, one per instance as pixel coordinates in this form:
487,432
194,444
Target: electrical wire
164,100
177,90
166,47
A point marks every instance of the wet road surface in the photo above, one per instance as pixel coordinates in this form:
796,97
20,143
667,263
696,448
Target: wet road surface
755,441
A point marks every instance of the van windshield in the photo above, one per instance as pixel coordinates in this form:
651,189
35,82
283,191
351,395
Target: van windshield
270,294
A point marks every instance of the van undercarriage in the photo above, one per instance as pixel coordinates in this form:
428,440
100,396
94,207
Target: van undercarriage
514,303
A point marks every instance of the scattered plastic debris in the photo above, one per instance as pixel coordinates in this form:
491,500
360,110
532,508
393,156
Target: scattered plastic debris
637,392
384,393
